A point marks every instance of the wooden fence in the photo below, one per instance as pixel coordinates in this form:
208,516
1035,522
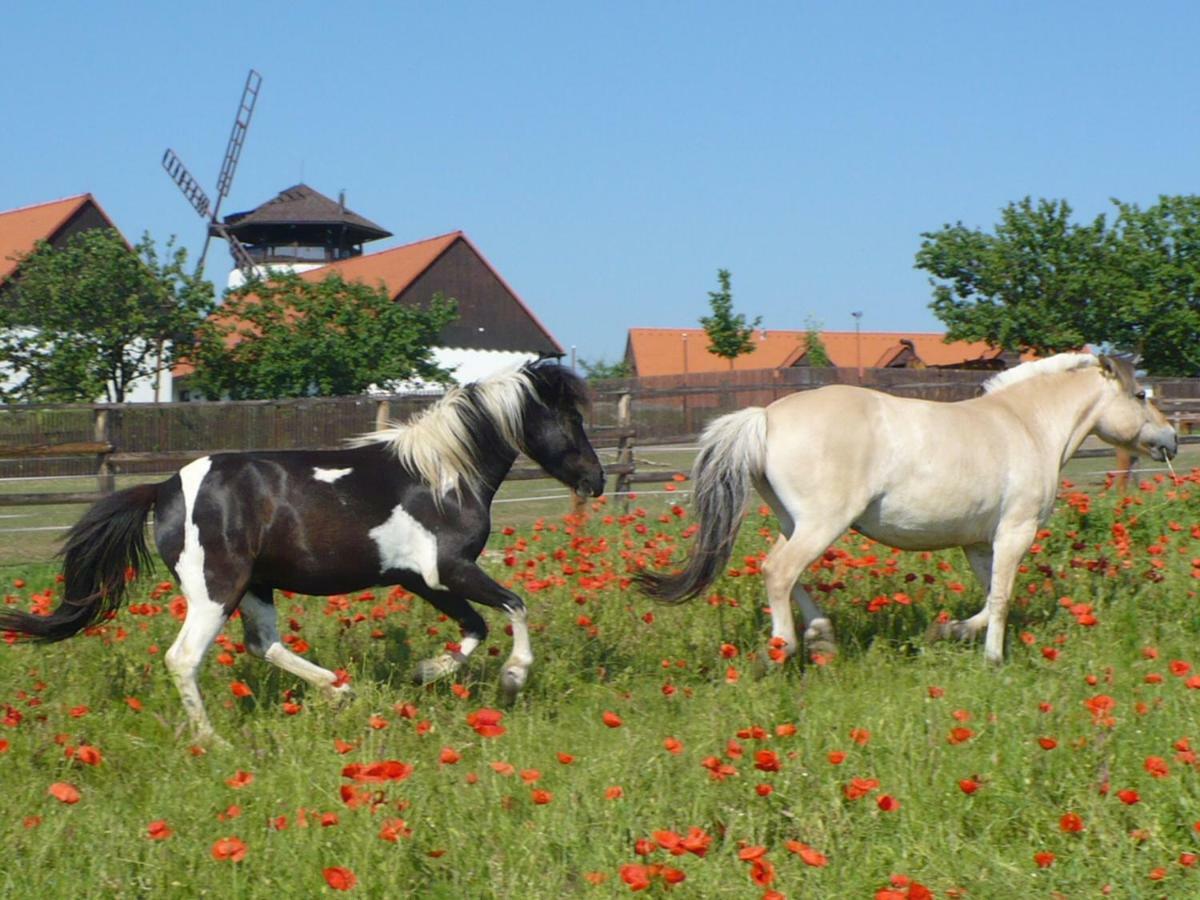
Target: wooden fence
104,440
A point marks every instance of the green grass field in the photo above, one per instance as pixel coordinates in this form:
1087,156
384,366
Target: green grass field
655,748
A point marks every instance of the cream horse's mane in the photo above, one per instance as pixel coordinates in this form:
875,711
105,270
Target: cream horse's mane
437,444
1062,362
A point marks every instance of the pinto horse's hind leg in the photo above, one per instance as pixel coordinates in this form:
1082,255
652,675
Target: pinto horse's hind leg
208,609
468,580
474,630
259,620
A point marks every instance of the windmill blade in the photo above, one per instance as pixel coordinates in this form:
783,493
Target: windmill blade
237,136
181,176
240,254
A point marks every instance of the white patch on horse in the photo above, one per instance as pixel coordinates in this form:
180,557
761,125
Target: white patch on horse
404,543
329,476
205,617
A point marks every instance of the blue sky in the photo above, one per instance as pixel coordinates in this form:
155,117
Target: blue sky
609,158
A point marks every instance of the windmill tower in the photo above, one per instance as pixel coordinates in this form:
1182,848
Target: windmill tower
195,194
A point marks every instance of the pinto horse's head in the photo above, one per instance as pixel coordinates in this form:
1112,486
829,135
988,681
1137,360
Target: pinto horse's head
1129,419
554,437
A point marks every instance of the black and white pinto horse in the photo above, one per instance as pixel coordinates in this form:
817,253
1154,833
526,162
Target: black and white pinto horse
408,505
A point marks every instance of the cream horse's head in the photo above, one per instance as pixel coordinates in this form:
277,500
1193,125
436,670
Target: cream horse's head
1129,419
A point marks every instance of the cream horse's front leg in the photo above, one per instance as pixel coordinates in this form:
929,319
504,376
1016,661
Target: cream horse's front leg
1007,549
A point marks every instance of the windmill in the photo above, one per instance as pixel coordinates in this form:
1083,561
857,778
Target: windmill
195,194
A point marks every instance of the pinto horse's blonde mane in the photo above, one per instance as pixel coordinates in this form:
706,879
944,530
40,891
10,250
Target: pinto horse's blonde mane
1051,365
438,444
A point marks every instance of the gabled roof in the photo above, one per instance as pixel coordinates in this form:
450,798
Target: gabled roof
302,205
397,269
661,351
21,229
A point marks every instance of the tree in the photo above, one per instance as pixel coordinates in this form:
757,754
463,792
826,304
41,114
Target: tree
600,369
815,351
1154,280
87,320
1032,285
728,334
1044,283
294,338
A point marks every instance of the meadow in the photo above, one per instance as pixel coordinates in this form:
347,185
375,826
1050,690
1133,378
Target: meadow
656,750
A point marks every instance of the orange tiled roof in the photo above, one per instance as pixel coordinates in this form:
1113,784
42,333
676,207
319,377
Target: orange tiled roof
661,351
21,228
396,268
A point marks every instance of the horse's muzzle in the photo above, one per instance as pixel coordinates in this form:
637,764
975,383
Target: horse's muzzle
591,484
1163,446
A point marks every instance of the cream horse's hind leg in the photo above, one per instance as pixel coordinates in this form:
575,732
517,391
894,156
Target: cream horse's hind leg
980,558
786,562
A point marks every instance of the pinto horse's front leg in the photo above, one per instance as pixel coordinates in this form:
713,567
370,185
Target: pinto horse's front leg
468,580
474,631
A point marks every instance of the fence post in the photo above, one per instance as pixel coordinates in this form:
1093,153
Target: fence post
383,413
624,446
106,482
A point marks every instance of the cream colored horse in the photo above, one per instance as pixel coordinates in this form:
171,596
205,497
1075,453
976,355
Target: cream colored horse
981,474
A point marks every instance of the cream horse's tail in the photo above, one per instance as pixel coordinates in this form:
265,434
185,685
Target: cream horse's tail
732,450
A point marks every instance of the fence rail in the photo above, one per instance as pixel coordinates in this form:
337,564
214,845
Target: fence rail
106,440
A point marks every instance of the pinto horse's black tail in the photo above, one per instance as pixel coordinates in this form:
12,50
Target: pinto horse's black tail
732,451
108,541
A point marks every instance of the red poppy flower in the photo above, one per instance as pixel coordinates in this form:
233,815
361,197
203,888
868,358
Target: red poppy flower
88,755
616,792
1047,743
240,779
860,787
503,768
836,757
387,770
767,761
672,745
969,785
1128,797
1156,766
635,875
394,829
611,719
959,735
486,722
158,830
1071,823
811,857
449,756
887,803
64,792
1044,859
232,849
241,689
566,758
541,798
339,878
343,746
860,736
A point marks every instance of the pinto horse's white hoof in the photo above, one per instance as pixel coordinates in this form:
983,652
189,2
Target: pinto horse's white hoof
512,680
428,670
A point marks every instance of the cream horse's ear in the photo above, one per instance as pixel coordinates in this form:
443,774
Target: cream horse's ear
1108,365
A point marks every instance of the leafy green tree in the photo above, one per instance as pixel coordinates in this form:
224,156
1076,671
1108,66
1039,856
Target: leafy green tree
87,320
289,337
1033,284
600,369
1154,282
729,336
815,350
1045,283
